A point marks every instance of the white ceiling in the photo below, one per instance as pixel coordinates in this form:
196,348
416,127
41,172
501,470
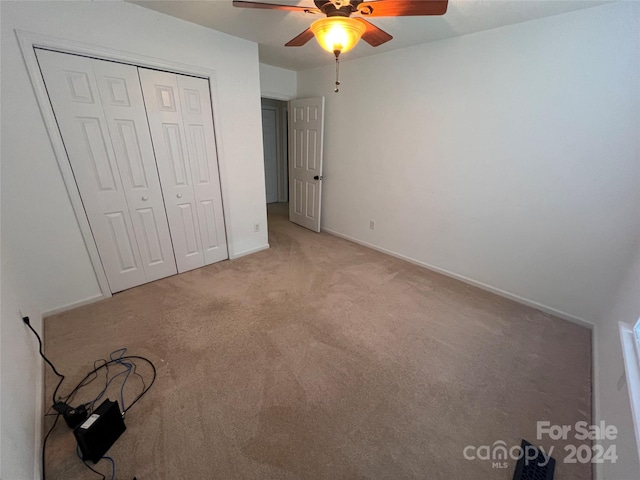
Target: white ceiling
271,29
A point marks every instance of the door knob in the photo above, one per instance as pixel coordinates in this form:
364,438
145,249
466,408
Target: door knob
179,195
317,177
144,199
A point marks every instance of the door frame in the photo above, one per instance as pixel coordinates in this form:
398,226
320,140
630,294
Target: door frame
30,40
284,138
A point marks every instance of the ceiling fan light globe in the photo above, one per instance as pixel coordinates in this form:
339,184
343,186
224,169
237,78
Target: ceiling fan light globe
337,33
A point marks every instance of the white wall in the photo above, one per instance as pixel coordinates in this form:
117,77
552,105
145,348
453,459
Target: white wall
37,186
21,375
613,404
41,242
508,157
278,83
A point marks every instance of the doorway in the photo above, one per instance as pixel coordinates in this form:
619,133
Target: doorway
274,140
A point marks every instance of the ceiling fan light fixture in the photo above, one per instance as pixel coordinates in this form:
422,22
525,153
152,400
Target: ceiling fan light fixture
337,33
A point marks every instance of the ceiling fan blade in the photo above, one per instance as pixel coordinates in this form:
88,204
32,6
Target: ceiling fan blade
301,39
373,35
273,6
403,8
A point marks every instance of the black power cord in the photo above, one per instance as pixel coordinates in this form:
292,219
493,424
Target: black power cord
93,470
46,437
114,362
62,407
113,466
28,324
44,445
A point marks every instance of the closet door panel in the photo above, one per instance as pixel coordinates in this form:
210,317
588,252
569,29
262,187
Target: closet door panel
124,109
75,99
198,120
162,102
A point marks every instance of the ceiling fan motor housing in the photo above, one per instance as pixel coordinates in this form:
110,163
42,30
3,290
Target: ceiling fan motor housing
330,10
339,11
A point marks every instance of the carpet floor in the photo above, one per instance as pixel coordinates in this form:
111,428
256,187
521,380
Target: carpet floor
321,359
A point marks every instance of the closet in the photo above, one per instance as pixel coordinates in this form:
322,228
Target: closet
142,149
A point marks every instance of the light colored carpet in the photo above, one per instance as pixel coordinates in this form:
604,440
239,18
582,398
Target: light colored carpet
322,359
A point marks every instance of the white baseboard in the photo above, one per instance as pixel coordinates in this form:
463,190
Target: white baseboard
248,252
470,281
595,404
595,401
71,306
39,412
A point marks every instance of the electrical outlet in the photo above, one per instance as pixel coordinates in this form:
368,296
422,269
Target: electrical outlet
256,227
372,225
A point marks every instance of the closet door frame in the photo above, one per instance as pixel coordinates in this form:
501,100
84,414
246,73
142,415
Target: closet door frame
28,41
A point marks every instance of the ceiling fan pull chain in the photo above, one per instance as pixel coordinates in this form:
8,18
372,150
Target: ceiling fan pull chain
337,54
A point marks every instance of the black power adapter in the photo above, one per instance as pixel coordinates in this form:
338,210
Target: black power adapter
98,432
73,416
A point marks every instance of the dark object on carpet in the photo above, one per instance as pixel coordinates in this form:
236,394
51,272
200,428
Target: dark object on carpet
96,435
73,416
322,359
534,465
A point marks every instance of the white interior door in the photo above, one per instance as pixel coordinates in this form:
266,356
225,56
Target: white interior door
109,150
270,147
181,124
306,117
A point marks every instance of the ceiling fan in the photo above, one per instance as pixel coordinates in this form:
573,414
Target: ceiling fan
339,32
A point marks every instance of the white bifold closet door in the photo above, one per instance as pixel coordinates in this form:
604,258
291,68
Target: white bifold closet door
181,123
101,117
142,149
